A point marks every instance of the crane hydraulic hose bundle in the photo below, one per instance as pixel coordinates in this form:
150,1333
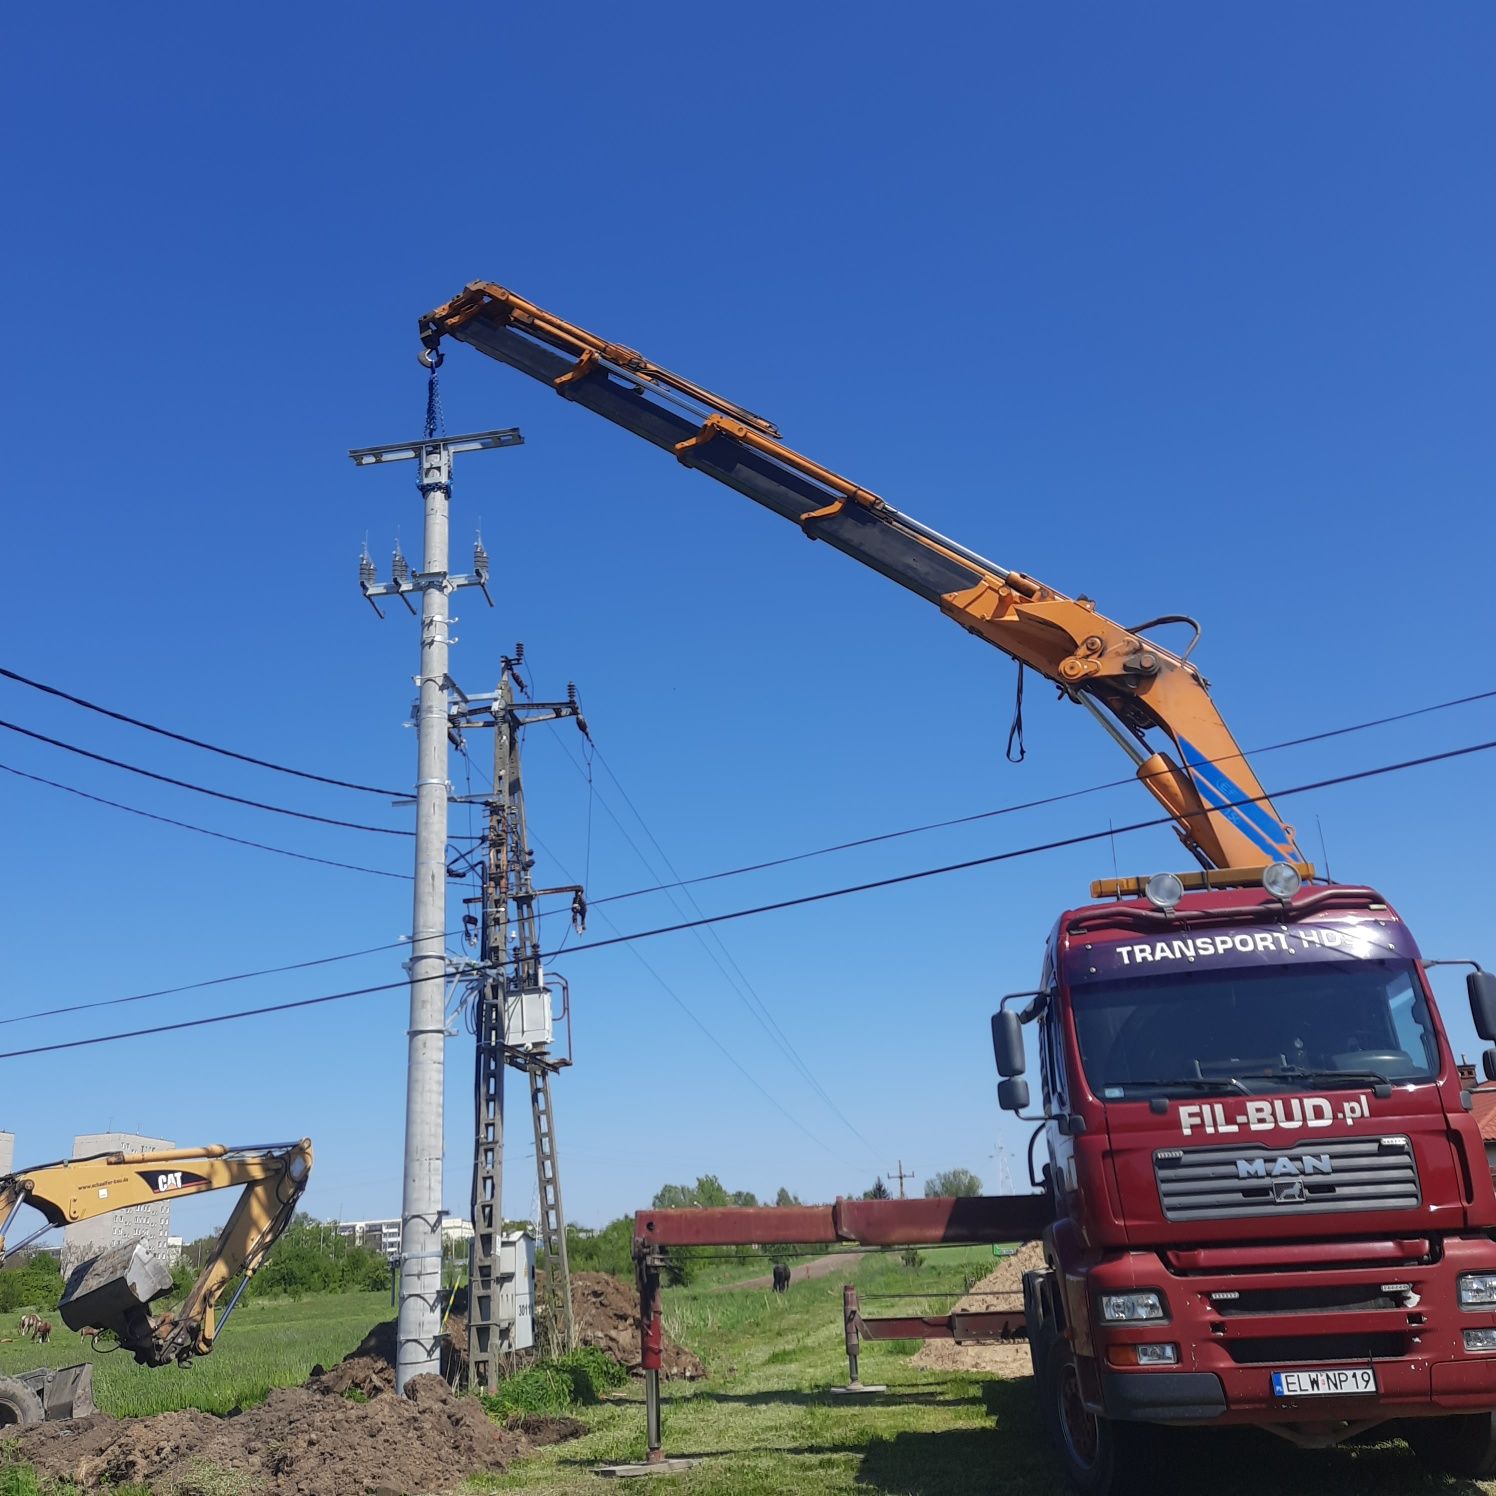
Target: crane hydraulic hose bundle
1131,685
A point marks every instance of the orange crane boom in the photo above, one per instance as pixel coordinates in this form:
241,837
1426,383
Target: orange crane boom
1131,685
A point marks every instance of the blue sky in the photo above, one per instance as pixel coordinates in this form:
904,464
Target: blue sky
1186,308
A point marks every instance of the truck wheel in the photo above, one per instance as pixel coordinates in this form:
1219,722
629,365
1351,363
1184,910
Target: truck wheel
20,1407
1464,1444
1101,1457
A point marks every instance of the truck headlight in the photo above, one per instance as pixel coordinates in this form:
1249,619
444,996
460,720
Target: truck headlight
1477,1290
1144,1304
1480,1340
1158,1355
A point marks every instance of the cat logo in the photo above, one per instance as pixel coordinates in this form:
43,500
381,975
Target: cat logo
173,1181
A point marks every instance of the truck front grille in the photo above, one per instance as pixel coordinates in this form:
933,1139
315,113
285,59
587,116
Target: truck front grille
1345,1298
1249,1179
1278,1349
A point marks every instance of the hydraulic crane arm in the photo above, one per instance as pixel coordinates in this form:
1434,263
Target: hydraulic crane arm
272,1177
1131,685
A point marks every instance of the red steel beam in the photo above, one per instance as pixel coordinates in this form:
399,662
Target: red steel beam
918,1223
974,1328
874,1223
736,1226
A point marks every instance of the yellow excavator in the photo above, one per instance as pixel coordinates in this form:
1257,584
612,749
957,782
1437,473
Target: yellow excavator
114,1290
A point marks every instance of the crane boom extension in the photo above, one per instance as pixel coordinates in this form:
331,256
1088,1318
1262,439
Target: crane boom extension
273,1178
1130,684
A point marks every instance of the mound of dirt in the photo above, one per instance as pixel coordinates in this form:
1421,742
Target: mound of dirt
607,1316
1000,1290
301,1441
368,1368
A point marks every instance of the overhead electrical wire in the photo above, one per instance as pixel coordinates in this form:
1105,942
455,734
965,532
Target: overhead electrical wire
179,737
1080,839
1014,854
1056,799
184,784
691,1013
239,976
188,1023
740,984
242,841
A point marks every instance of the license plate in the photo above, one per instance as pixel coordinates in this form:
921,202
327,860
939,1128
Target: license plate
1342,1382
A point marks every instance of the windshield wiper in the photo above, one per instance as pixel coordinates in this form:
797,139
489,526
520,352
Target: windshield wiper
1195,1083
1300,1072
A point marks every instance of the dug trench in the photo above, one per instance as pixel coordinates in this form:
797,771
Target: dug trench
343,1432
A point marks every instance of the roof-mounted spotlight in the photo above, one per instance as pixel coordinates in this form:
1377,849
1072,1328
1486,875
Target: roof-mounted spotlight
1282,880
1164,891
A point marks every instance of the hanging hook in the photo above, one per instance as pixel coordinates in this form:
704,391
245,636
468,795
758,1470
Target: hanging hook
431,358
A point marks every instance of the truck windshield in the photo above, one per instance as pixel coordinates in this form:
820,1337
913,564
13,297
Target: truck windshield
1261,1029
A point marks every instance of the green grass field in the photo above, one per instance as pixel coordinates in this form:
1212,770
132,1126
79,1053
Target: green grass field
272,1342
763,1422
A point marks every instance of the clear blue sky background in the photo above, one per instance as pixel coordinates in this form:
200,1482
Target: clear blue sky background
1188,308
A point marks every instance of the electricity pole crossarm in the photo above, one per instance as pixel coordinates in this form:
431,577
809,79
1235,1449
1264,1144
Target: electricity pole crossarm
418,1332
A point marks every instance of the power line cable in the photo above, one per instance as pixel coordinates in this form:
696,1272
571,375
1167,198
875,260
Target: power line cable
166,732
1056,799
629,939
280,810
690,1013
188,1023
135,810
1079,839
241,976
736,979
664,986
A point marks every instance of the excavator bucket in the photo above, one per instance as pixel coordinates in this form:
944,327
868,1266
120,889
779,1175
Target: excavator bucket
63,1391
114,1290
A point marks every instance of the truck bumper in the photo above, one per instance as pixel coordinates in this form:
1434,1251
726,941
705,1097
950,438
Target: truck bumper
1163,1396
1405,1390
1234,1331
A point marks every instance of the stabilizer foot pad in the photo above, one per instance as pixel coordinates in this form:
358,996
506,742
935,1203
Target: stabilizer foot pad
632,1472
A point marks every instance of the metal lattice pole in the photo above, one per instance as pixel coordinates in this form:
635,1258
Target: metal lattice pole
488,1332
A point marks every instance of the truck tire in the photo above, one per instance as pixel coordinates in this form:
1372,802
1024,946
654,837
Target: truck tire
1101,1456
20,1407
1464,1444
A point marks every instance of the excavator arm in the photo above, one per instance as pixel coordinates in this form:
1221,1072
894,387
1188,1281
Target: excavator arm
1134,687
113,1291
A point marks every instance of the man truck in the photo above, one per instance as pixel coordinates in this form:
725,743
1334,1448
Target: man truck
1262,1196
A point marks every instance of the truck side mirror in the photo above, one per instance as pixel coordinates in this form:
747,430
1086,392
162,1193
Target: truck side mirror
1007,1043
1012,1094
1482,988
1488,1063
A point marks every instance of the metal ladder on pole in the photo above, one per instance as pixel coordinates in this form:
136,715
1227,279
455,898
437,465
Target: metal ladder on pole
488,1337
560,1321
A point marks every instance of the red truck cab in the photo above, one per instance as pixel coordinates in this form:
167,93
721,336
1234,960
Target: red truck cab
1270,1202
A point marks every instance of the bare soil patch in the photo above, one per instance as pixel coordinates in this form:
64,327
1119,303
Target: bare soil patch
344,1433
301,1441
1000,1290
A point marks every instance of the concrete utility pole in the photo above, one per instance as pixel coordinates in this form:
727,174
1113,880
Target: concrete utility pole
901,1176
418,1332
